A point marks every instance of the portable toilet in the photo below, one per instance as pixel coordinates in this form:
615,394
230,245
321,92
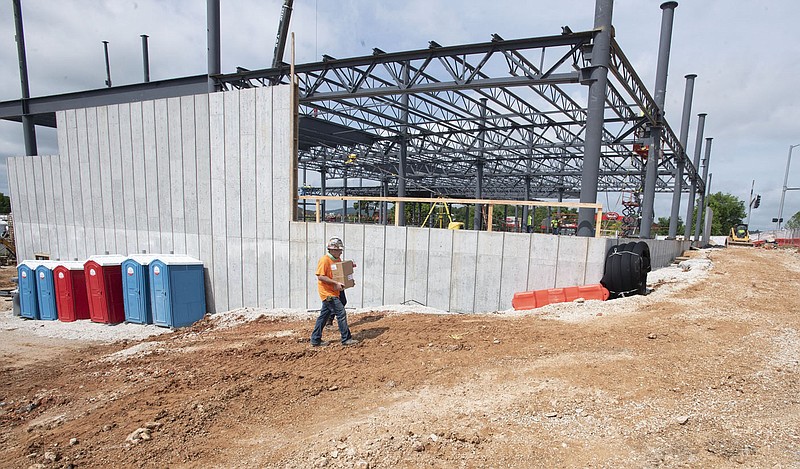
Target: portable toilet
104,288
70,285
177,291
28,299
45,291
136,288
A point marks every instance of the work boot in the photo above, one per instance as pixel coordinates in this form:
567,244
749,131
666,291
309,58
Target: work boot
320,344
350,342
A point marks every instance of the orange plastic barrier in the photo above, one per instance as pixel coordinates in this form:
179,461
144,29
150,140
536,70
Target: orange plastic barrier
788,241
539,298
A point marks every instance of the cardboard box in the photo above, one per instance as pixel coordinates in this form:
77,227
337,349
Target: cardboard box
343,273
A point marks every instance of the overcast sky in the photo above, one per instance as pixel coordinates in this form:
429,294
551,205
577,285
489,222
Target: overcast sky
746,55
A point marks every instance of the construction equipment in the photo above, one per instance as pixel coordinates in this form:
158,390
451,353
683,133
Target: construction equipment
280,39
452,225
740,236
7,239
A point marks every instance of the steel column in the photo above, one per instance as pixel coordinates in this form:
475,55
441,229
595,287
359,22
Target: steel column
108,64
601,57
28,127
479,168
684,135
648,199
213,38
145,59
706,189
698,145
344,193
323,183
401,165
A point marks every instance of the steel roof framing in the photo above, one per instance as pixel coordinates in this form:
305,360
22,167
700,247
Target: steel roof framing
431,99
533,127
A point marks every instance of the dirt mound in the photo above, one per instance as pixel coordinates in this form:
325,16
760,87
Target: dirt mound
701,375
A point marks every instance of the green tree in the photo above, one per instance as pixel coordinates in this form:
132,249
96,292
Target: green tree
663,226
794,222
728,211
5,203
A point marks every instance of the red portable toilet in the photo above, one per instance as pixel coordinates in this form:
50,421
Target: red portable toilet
70,285
104,288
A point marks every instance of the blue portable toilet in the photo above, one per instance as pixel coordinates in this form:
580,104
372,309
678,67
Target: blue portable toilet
28,299
46,291
136,288
177,291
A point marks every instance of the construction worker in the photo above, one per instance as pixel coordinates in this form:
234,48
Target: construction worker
530,222
554,225
329,291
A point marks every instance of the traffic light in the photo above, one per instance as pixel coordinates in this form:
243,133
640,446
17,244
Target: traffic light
757,202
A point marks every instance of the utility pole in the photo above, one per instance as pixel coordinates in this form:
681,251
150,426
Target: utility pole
785,181
750,203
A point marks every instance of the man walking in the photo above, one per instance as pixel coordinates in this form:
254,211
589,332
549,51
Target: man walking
329,291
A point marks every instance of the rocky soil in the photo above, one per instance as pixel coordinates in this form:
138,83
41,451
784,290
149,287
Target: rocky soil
702,372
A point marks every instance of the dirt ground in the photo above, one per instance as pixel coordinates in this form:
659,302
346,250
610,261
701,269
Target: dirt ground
705,376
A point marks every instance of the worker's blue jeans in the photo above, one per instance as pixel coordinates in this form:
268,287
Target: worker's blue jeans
332,306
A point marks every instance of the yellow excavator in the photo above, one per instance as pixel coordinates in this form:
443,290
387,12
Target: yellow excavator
740,236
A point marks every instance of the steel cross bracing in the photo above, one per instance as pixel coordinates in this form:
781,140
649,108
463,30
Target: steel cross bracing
353,119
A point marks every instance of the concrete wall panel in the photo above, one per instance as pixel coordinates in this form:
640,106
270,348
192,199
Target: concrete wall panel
125,181
45,184
281,211
190,160
234,263
281,158
116,175
315,249
58,207
216,113
66,194
439,273
105,195
176,186
595,260
416,275
139,189
203,167
73,206
298,277
516,264
249,272
354,242
462,281
164,177
373,266
394,274
488,271
543,257
571,261
151,178
36,194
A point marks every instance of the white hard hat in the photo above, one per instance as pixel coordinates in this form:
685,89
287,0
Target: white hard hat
335,243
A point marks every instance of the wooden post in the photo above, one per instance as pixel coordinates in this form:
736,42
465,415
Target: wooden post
318,207
489,217
598,222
